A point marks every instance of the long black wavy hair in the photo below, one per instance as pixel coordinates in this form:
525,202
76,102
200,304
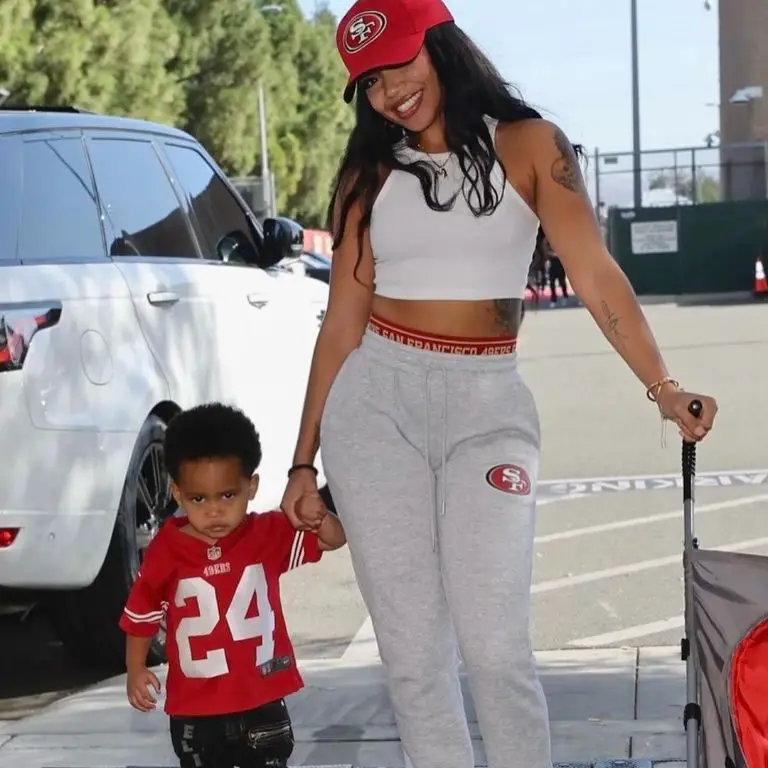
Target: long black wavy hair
472,89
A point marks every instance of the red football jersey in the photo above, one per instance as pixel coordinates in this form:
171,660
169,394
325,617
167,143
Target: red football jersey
227,644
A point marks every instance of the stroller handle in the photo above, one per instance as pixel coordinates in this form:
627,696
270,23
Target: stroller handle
692,711
695,408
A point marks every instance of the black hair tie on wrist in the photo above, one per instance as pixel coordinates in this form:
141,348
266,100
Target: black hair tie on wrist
297,467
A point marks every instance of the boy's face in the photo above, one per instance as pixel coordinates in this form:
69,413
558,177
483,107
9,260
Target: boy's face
214,494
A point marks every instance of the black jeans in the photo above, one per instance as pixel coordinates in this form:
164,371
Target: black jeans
557,276
257,738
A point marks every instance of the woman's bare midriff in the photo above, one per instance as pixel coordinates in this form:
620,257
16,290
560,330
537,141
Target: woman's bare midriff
467,319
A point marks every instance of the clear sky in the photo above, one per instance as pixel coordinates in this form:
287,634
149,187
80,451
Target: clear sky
571,59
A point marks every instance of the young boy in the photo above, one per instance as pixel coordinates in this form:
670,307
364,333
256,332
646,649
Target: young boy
212,577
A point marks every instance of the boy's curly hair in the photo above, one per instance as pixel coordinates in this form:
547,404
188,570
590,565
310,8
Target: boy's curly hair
211,431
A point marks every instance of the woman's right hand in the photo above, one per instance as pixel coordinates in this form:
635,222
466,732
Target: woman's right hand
301,482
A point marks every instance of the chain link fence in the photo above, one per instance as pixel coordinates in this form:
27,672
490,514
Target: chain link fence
682,176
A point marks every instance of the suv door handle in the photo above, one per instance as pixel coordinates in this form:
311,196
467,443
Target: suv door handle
159,298
258,300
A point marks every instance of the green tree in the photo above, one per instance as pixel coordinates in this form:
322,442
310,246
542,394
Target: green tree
709,188
224,50
287,154
108,56
196,64
16,51
69,40
144,42
326,119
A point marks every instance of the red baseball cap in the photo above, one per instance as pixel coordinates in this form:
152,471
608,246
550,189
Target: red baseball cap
375,34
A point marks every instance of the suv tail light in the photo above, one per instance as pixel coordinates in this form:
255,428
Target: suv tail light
7,537
18,325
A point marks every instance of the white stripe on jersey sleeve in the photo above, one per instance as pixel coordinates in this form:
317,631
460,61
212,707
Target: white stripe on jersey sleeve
297,551
153,617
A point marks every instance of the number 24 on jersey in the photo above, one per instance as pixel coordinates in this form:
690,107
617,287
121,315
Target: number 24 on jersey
253,583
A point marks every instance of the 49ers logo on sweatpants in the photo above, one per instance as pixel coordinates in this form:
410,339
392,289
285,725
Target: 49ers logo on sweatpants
509,478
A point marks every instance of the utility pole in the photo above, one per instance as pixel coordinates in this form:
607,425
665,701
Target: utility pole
266,175
636,156
267,185
597,182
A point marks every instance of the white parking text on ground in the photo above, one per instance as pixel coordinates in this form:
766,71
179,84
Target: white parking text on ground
586,486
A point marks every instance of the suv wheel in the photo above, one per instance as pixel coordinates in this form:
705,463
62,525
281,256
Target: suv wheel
87,619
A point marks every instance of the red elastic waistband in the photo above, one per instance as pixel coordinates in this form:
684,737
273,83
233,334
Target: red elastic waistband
452,345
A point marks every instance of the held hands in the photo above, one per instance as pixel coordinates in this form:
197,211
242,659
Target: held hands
138,687
673,404
311,511
301,483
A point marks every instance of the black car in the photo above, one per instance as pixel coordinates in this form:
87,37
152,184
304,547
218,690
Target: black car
312,264
317,265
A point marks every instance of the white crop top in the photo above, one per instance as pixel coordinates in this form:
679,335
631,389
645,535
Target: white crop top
424,254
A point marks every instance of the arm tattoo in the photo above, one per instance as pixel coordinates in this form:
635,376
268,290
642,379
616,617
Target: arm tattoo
565,170
612,321
506,312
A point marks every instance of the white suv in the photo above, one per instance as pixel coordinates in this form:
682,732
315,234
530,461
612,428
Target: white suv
134,282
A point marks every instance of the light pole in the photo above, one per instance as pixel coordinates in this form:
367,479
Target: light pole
266,179
636,168
636,149
267,187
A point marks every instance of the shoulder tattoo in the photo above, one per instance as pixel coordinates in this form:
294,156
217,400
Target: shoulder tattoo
565,169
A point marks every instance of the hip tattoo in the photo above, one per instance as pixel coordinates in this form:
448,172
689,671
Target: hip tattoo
507,314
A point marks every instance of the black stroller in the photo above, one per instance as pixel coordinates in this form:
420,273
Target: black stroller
725,647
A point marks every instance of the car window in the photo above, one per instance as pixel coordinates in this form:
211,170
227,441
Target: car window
10,192
59,213
217,210
139,201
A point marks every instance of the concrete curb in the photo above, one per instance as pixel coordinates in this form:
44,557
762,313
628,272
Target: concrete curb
609,708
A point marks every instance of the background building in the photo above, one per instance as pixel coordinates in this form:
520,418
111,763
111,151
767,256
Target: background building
743,98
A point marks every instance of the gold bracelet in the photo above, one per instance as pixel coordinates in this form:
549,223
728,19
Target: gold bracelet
652,393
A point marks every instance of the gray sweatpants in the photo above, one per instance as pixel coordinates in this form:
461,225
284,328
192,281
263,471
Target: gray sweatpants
432,461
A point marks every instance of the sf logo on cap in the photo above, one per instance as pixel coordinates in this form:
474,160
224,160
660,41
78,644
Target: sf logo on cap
363,29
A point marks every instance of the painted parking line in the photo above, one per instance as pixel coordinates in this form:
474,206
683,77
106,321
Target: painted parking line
363,647
558,499
629,633
634,522
568,582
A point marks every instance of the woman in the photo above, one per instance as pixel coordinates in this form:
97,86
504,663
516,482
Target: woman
430,438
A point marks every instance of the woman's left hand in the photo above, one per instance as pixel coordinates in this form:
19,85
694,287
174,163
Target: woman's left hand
674,406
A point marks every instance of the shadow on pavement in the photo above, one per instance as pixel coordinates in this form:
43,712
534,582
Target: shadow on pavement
604,704
34,667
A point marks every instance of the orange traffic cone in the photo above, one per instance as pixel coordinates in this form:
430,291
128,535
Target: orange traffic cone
761,284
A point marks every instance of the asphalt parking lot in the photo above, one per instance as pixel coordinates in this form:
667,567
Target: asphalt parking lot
609,539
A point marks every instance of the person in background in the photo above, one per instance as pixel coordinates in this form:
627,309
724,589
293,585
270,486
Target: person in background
537,272
556,274
430,437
